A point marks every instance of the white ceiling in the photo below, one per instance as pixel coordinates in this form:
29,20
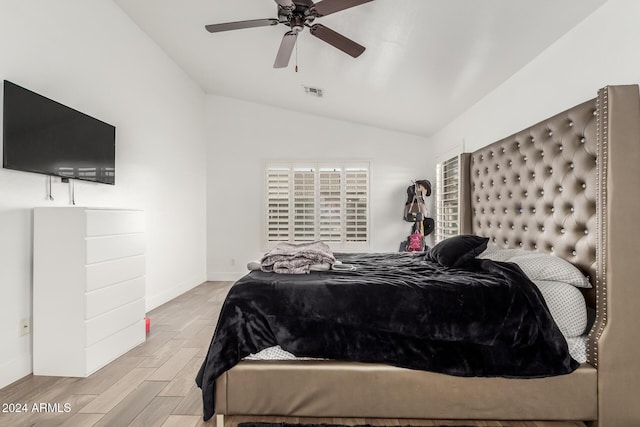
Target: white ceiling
426,62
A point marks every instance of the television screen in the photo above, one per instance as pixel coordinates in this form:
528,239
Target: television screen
43,136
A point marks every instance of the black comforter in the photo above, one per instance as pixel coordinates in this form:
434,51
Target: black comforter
487,319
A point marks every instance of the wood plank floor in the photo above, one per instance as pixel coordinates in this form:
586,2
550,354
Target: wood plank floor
153,384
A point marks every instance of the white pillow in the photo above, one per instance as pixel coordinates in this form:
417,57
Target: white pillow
496,253
566,305
578,348
539,266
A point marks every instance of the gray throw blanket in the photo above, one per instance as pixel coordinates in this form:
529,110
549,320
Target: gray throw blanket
291,258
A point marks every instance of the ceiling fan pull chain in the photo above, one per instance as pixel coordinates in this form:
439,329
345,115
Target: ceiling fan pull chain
296,57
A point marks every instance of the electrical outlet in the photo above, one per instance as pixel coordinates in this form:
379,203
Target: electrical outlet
24,328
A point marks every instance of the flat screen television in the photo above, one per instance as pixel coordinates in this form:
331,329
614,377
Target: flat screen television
43,136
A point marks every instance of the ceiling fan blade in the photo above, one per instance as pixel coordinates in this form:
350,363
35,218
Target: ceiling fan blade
287,4
216,28
337,40
286,49
327,7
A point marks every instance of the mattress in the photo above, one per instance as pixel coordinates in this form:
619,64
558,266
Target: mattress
577,349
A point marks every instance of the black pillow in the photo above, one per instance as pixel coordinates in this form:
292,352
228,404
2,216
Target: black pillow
457,250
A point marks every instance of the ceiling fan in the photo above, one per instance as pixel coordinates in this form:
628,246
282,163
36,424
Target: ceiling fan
298,14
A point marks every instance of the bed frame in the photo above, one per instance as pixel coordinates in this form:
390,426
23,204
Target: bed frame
569,186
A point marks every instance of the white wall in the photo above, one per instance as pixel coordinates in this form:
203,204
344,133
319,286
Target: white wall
243,136
90,56
602,50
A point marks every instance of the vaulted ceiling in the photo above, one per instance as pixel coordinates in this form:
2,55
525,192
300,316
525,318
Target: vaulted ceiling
426,61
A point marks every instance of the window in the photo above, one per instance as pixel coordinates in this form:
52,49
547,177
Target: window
448,199
312,201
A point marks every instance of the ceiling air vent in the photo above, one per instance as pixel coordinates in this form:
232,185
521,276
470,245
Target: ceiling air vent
313,91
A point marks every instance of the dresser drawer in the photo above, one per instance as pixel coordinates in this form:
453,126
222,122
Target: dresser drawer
109,323
107,273
108,222
110,348
115,296
106,248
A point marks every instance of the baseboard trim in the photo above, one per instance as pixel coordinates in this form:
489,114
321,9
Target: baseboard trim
231,276
16,369
154,301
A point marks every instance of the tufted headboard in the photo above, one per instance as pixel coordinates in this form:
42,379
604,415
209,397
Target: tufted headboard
536,189
569,186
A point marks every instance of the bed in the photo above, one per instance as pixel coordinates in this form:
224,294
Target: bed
565,186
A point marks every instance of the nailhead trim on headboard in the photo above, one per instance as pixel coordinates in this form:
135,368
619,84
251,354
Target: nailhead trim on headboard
602,133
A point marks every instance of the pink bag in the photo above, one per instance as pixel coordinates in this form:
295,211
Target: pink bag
415,243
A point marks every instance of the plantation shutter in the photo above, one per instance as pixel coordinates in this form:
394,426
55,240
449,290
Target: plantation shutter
328,202
304,205
448,199
356,204
278,204
330,205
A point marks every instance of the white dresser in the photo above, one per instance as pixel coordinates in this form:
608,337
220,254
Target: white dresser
88,288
